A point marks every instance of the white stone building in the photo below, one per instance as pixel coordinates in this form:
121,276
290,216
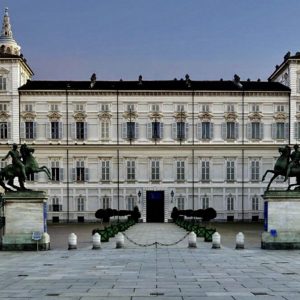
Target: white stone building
155,144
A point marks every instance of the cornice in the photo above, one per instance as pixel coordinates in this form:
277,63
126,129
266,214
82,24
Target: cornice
80,116
280,117
230,116
28,116
255,116
155,115
105,116
130,115
205,116
4,115
54,116
180,116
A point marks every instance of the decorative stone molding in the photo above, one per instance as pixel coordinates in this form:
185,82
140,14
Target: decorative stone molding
280,117
155,115
104,116
54,116
28,116
255,117
205,116
3,71
298,116
130,115
230,116
180,116
79,116
4,115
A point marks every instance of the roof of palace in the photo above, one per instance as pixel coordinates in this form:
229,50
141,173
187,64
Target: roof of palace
154,85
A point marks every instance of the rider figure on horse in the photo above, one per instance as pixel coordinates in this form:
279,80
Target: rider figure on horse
295,158
16,160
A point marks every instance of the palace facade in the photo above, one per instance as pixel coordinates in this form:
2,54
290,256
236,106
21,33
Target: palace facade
155,144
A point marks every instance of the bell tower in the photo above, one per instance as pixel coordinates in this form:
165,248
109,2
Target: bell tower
14,72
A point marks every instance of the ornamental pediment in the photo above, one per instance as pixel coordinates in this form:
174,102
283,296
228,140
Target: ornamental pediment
3,71
280,116
298,116
28,116
155,115
4,115
205,116
79,116
54,116
255,117
230,116
104,115
180,116
130,115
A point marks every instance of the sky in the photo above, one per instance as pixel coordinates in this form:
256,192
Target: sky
158,39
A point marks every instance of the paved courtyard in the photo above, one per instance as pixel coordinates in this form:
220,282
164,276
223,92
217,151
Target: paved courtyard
146,273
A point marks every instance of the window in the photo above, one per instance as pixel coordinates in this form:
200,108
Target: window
130,170
28,107
280,108
205,202
54,107
80,173
81,130
255,130
255,203
180,108
130,202
231,130
255,170
2,83
180,203
4,130
130,107
55,130
180,166
205,176
205,130
80,203
3,107
105,168
105,107
55,204
155,108
297,130
30,130
230,203
104,130
205,108
130,130
230,108
106,202
230,170
280,131
254,108
155,169
55,171
155,130
180,130
79,107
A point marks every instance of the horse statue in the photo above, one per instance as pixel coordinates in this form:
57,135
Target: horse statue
12,171
282,165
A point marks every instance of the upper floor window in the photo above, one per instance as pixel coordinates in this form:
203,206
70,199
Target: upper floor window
255,130
79,130
255,164
280,108
155,108
205,202
80,172
280,130
79,107
104,129
230,108
130,169
2,83
3,107
205,130
180,108
205,108
56,206
105,170
130,107
255,203
180,170
205,176
254,108
230,170
180,203
54,107
155,130
28,130
5,130
180,130
105,107
28,107
55,130
230,130
155,170
56,171
80,203
130,130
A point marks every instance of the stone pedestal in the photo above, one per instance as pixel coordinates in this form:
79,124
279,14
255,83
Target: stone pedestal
282,220
25,213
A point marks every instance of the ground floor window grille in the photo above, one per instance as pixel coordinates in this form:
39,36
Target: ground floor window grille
180,203
205,202
230,203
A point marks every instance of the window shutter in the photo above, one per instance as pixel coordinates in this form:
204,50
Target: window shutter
48,130
261,131
161,130
136,130
86,174
199,130
60,130
34,130
22,130
223,130
149,130
73,174
274,127
211,130
286,130
8,130
124,130
73,131
85,130
174,131
236,125
296,130
186,130
249,131
61,174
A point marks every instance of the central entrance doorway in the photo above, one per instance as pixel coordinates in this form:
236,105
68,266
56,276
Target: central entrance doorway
155,206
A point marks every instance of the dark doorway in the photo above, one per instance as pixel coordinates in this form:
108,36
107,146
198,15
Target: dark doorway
155,206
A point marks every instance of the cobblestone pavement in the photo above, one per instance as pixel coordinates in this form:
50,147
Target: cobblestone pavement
139,273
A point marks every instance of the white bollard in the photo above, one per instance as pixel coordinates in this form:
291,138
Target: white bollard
192,240
240,241
119,240
96,241
72,240
216,241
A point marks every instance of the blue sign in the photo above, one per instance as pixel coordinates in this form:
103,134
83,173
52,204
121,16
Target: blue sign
36,236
